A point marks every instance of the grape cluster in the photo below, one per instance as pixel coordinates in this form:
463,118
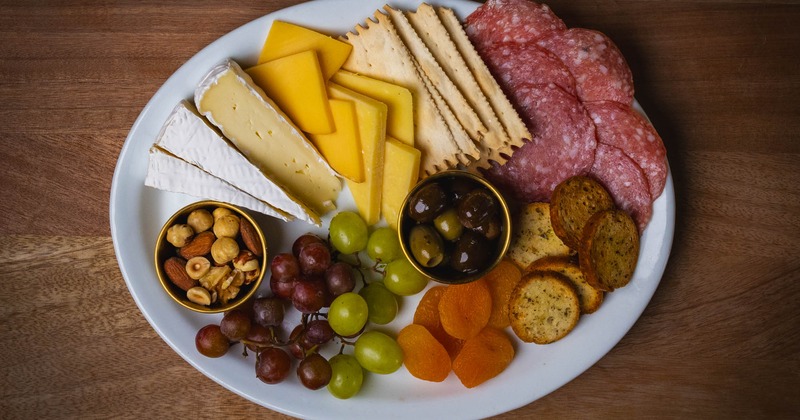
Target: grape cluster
319,274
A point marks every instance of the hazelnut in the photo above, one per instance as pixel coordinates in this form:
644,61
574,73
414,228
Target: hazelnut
179,234
224,249
200,220
198,267
226,226
251,276
245,261
199,296
221,211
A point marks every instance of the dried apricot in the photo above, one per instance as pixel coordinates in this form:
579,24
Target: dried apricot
501,281
464,309
483,357
423,355
427,315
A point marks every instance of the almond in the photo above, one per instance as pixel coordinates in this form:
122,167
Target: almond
175,268
199,246
250,237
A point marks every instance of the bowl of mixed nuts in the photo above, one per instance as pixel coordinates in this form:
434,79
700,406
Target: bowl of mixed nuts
210,256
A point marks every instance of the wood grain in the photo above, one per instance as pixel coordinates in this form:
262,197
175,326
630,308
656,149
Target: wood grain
720,79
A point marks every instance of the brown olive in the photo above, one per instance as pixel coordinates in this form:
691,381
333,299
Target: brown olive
427,203
448,225
476,208
426,245
490,229
459,187
471,253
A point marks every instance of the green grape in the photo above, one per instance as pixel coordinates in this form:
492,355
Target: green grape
381,302
348,314
403,279
348,232
383,245
346,376
378,353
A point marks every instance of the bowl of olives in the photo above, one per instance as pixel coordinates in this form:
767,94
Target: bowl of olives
209,256
454,227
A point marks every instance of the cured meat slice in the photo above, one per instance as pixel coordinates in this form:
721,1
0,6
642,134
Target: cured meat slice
563,143
516,65
621,126
600,70
501,21
625,181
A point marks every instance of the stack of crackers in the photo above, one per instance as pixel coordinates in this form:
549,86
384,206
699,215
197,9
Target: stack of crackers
461,115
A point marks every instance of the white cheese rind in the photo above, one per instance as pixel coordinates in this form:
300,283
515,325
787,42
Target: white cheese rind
230,100
168,173
188,136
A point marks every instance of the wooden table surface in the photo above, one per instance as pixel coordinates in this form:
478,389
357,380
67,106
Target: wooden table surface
720,80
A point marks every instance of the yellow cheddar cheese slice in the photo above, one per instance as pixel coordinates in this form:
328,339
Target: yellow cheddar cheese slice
342,148
400,119
258,128
296,84
402,168
371,116
286,39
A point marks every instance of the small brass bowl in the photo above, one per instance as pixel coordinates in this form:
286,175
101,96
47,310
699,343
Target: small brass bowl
443,273
166,250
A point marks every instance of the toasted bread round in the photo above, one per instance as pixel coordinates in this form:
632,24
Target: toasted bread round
609,250
533,237
574,201
589,297
543,308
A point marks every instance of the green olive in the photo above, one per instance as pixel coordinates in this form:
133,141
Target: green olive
471,253
448,225
427,203
426,245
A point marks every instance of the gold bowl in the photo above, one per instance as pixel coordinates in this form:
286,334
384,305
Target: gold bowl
443,272
164,250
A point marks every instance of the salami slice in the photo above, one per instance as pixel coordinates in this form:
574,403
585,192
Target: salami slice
600,70
621,126
516,65
625,181
501,21
563,143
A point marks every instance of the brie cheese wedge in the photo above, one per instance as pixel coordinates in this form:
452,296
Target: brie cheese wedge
189,137
230,100
168,173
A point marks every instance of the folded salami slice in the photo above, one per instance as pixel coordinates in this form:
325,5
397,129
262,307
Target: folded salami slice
600,70
563,143
621,126
625,181
500,21
516,65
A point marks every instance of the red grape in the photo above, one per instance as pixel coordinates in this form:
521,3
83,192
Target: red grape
268,311
304,240
296,342
259,335
319,331
235,325
339,279
314,371
308,296
210,341
284,266
314,259
273,365
283,288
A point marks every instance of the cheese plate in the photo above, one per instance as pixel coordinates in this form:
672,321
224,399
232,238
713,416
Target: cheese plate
137,212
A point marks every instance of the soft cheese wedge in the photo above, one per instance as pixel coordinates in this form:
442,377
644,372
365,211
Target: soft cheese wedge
231,101
371,116
402,168
400,119
167,172
342,148
285,38
189,137
296,84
